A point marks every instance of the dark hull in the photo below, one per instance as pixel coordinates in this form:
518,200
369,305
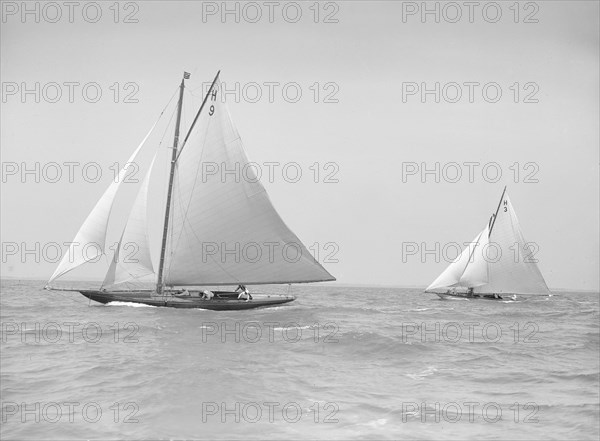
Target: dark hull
474,296
223,301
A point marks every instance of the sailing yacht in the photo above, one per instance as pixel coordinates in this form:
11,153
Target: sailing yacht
497,263
208,222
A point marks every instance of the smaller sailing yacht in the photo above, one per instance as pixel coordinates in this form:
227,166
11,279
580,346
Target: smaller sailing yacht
498,262
217,231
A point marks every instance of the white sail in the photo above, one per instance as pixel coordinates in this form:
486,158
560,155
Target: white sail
512,269
132,258
224,229
502,261
89,243
452,274
476,272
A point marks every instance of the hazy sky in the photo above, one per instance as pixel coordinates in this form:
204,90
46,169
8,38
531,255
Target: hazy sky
374,62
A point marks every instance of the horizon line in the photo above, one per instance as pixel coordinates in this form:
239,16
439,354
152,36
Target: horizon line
2,278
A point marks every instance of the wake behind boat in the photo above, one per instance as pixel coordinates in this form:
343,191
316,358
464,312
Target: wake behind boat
216,231
498,264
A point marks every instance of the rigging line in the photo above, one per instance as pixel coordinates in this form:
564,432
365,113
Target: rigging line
189,201
165,108
171,99
167,127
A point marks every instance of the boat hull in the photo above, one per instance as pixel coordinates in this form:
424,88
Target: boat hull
222,301
474,296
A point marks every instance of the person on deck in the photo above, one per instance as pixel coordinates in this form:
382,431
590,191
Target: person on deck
470,292
207,295
244,295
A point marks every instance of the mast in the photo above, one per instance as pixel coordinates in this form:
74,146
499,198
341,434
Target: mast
497,210
159,282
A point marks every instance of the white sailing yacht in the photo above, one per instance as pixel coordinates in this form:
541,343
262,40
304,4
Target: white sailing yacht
498,262
216,231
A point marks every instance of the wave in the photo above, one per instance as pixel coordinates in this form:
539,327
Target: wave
429,371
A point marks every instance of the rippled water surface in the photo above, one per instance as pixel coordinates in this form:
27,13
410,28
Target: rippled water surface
338,363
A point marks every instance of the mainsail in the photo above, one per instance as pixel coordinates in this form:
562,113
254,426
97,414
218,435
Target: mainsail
512,268
501,262
224,229
132,258
90,241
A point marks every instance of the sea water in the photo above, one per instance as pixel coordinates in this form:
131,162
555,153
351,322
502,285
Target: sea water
337,363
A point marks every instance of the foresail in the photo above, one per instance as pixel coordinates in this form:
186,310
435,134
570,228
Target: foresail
511,261
476,272
89,243
224,229
452,274
132,258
